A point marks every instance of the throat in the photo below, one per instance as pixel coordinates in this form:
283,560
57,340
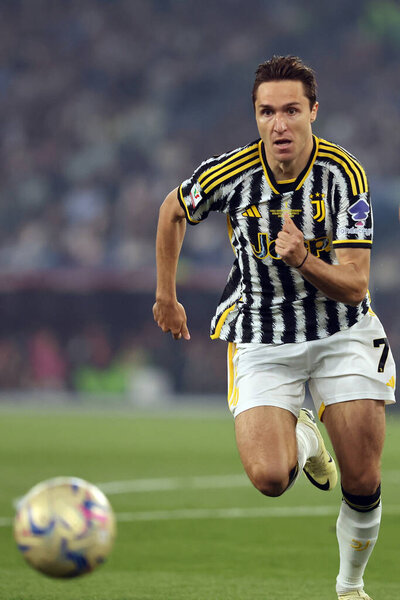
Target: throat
285,172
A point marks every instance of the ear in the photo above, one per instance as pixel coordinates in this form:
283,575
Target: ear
314,112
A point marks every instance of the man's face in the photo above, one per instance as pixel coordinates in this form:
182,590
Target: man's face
284,119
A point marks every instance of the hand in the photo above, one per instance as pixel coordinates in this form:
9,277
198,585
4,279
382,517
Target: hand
290,243
171,316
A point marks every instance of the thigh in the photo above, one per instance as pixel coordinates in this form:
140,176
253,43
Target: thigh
357,431
352,364
266,440
262,375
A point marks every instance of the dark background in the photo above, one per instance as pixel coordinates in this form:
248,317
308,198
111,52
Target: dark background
107,105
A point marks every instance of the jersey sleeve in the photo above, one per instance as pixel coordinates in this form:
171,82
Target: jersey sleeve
196,200
213,183
353,222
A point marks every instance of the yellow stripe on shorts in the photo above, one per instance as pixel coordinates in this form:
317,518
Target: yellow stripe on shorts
233,392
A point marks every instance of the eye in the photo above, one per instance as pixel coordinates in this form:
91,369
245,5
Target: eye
292,110
267,112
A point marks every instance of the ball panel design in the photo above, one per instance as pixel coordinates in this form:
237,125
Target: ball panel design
64,527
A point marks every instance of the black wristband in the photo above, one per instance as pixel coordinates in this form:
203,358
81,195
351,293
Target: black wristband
302,262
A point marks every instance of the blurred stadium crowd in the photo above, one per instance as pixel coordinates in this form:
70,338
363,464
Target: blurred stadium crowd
106,105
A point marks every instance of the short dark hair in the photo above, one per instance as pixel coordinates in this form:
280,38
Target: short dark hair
279,68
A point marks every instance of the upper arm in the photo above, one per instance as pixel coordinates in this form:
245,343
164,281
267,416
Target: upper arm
172,207
358,257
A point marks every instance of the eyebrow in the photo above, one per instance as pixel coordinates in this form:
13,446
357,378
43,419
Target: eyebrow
288,105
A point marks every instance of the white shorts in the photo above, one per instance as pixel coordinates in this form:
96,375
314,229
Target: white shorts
353,364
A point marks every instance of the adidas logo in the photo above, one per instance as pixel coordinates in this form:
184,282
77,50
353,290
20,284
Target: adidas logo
390,383
252,212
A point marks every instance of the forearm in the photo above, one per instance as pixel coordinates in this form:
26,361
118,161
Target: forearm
170,234
345,283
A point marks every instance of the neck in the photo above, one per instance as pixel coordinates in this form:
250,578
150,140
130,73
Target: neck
286,170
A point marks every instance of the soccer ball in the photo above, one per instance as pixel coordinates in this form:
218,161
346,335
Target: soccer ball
64,527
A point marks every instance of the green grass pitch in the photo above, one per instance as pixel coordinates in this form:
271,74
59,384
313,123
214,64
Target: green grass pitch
190,525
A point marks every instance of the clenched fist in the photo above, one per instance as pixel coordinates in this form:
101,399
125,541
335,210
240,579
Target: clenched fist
290,244
171,316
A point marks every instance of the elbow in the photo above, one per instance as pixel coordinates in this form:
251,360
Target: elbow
357,287
357,295
354,301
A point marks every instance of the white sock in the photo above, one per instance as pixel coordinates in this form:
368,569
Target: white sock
307,445
357,533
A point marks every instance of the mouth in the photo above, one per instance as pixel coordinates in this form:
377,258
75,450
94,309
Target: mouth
282,143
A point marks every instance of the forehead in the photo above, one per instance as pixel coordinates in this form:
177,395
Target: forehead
277,93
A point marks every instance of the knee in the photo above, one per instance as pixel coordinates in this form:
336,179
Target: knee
362,484
269,481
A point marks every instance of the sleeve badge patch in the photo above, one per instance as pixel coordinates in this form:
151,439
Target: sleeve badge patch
359,212
195,195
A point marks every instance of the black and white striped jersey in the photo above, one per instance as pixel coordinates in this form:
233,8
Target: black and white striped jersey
265,300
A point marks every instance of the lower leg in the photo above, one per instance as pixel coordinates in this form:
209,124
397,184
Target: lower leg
357,431
307,445
357,531
313,457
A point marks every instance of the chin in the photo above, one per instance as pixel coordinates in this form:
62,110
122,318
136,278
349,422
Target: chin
284,157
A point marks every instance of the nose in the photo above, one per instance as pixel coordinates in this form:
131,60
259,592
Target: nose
279,123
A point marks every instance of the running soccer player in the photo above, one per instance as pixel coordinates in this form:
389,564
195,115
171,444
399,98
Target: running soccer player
295,308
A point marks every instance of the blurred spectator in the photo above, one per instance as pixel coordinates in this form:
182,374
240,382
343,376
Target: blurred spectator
48,366
102,115
13,369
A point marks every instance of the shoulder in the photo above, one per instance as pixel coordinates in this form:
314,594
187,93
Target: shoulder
338,158
225,167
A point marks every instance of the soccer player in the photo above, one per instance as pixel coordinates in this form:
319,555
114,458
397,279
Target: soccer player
295,308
